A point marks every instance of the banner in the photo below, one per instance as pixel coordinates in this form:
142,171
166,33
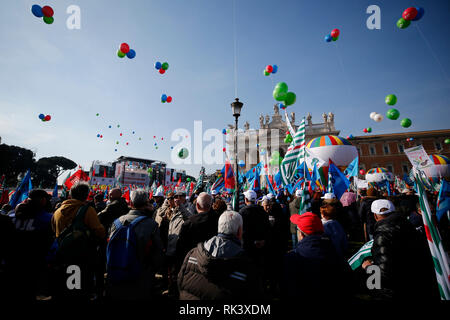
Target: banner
76,177
418,157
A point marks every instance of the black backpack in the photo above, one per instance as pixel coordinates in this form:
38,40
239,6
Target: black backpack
74,243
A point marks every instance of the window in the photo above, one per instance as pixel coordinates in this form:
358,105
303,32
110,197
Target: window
386,149
372,150
400,148
438,145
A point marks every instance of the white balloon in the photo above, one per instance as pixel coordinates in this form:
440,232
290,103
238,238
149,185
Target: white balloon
372,115
378,117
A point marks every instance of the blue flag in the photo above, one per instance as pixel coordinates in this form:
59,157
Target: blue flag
22,191
339,182
352,169
252,176
278,179
302,171
55,191
443,202
269,185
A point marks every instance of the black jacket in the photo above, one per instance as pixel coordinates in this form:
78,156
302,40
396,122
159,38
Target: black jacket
217,270
314,272
114,210
366,214
197,228
256,226
403,257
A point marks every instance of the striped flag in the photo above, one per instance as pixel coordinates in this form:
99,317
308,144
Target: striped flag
438,253
357,259
330,184
305,201
294,155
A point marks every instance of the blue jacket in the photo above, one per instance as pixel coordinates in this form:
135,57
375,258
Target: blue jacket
336,233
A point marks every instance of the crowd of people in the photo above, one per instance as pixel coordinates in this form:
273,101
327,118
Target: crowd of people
174,246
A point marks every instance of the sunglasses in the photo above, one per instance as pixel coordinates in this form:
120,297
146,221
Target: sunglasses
171,198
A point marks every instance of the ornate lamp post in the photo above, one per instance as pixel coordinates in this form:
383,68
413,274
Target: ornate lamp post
236,107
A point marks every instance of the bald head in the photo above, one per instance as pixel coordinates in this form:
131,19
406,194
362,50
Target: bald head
204,202
115,194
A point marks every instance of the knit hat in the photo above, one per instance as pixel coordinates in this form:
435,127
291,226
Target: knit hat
308,222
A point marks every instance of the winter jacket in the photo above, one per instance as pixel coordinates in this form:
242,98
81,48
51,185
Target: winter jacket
217,270
150,255
113,210
366,214
294,206
256,226
197,228
64,216
314,272
175,224
404,259
334,231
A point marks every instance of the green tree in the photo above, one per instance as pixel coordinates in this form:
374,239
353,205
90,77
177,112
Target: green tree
47,171
15,161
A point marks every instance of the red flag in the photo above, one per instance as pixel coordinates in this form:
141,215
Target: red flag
5,197
104,173
76,177
178,183
229,176
126,195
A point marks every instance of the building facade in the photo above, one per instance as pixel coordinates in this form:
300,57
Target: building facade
387,150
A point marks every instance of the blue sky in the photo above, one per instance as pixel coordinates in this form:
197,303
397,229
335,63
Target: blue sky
74,74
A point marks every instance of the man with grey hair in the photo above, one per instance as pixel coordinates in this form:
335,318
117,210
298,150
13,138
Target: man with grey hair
148,247
218,268
198,227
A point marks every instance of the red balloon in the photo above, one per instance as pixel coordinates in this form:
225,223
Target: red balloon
224,149
120,134
362,172
365,130
101,136
127,143
125,48
162,71
47,118
47,11
335,33
410,13
169,99
269,68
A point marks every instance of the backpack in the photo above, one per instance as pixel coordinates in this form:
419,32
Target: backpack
122,264
74,243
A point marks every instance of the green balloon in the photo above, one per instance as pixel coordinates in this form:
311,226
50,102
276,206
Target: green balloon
120,54
286,140
281,87
335,39
403,24
279,95
391,99
117,142
406,123
275,155
369,129
48,20
165,66
188,179
393,114
447,141
290,98
266,73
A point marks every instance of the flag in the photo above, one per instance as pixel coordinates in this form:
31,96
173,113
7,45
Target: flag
352,169
218,184
315,179
21,192
200,179
269,184
76,177
126,195
55,191
178,183
357,259
303,171
330,182
294,155
443,201
339,182
438,253
253,177
305,201
104,173
238,204
230,182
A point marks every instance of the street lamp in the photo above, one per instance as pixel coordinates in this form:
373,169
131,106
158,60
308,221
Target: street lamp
236,107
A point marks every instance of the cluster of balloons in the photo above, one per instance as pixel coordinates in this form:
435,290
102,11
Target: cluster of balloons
45,12
183,153
224,131
288,139
333,36
270,69
410,14
376,117
45,118
280,93
393,113
282,106
162,67
349,137
367,130
165,98
125,50
410,139
99,135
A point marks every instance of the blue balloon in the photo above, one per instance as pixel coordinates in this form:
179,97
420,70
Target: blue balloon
41,116
115,149
420,13
98,136
164,98
328,38
158,65
109,127
274,68
131,54
224,131
37,11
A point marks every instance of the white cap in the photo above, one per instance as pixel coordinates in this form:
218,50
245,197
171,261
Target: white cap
328,196
250,195
264,198
270,196
159,194
214,192
298,193
377,205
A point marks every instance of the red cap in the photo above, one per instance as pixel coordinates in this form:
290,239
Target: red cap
308,222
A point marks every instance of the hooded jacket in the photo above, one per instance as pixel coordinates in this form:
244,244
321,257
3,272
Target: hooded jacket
217,269
63,217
